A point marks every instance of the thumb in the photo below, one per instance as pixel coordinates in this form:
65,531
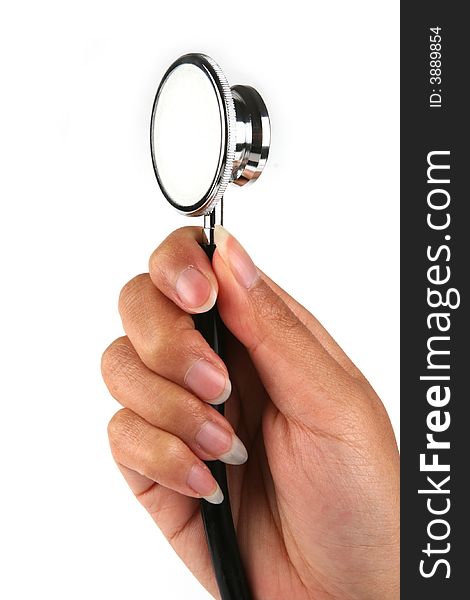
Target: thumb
296,370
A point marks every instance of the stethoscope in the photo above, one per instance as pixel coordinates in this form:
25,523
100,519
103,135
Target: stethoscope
205,134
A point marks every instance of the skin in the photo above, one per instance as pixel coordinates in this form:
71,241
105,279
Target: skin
316,505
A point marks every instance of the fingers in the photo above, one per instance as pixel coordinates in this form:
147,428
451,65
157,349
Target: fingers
180,268
168,407
186,243
166,341
160,457
278,334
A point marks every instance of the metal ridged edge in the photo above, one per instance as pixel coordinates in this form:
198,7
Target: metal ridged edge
231,122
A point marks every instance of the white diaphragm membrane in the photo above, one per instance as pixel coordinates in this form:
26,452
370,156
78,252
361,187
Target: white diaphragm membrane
187,134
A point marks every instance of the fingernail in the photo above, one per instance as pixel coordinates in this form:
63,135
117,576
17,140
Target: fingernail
241,265
208,382
201,481
219,442
195,290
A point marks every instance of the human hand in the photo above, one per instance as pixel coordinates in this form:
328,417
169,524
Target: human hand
316,505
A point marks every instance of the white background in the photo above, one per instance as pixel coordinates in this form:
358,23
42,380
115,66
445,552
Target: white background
81,212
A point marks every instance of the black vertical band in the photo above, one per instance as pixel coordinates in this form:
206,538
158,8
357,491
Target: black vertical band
218,522
435,256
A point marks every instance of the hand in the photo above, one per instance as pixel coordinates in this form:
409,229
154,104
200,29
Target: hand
316,505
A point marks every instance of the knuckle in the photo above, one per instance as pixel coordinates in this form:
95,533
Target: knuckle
153,260
158,265
189,344
132,291
177,453
165,457
160,346
121,426
115,355
156,342
126,433
153,350
166,248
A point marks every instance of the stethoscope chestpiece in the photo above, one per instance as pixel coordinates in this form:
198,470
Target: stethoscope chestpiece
205,134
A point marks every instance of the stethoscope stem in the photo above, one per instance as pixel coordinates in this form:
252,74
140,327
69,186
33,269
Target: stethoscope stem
217,518
215,217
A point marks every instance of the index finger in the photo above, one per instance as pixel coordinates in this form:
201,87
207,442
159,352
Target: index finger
181,270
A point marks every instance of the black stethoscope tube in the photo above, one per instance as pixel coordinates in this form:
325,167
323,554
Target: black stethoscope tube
217,518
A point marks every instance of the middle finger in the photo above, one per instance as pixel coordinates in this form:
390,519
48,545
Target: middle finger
167,342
